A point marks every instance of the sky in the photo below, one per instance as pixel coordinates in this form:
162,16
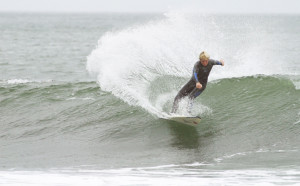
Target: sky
201,6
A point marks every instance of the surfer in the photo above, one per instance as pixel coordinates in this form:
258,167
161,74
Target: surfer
197,83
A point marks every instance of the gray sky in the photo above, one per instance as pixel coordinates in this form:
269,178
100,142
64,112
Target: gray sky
201,6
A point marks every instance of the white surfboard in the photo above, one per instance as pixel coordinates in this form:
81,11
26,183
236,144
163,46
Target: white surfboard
192,121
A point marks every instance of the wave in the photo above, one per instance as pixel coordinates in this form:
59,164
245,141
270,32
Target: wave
132,176
129,62
22,81
160,92
242,97
243,115
42,110
175,175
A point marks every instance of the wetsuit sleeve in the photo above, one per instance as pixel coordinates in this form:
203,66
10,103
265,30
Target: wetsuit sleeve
195,73
215,62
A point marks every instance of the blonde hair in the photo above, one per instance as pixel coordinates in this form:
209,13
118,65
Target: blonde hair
204,56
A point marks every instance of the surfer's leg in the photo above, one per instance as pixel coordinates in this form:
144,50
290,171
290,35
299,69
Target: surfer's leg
176,103
195,93
181,94
186,89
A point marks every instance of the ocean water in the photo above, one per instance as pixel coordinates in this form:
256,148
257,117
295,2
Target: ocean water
81,97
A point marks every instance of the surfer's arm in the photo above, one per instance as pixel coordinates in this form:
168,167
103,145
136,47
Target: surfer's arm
195,73
216,62
198,84
195,77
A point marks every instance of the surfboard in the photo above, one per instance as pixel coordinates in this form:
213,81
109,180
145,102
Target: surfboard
192,121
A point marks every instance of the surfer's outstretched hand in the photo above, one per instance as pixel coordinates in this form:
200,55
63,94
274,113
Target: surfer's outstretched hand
222,61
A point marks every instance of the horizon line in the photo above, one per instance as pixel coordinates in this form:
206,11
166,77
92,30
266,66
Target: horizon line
148,12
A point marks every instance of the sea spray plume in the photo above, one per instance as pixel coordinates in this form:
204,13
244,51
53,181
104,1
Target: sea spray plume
128,61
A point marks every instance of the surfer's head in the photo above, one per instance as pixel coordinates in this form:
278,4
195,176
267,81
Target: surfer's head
204,57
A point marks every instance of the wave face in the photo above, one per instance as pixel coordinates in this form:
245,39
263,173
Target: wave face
130,62
245,117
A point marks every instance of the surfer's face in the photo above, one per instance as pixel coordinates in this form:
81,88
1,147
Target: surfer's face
204,62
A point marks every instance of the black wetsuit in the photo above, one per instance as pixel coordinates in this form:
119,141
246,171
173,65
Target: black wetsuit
200,74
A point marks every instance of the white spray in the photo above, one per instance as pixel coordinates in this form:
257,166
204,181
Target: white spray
129,61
